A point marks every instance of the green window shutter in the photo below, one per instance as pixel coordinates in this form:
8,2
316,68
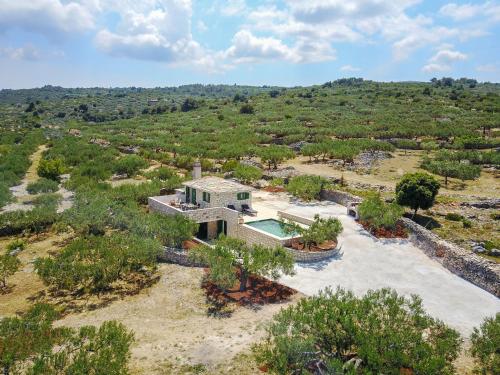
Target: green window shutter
242,196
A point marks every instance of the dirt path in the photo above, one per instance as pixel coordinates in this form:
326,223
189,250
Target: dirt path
172,329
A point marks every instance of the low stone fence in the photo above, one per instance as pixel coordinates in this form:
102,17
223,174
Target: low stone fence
340,197
471,267
178,256
312,256
296,218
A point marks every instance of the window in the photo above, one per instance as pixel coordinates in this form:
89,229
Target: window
206,197
188,194
242,196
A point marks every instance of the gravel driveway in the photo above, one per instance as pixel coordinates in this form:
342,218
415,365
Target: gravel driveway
369,263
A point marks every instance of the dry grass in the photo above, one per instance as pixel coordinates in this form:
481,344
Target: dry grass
174,333
25,283
388,172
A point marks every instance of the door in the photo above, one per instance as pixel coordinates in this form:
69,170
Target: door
202,231
193,196
221,227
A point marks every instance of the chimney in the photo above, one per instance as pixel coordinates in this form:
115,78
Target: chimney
196,170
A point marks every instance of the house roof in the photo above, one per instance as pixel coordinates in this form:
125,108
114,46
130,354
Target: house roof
217,185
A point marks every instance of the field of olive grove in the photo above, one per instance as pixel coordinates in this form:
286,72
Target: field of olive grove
78,235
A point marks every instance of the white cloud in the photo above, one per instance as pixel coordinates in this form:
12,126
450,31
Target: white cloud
443,60
488,9
47,17
233,8
202,27
488,68
349,68
160,34
27,52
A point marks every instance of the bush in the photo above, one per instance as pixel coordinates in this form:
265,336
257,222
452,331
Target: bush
381,332
247,173
247,109
230,165
162,174
189,104
94,263
417,190
379,214
453,216
9,265
42,185
485,344
307,187
5,195
33,346
19,245
35,220
129,165
466,223
320,231
51,168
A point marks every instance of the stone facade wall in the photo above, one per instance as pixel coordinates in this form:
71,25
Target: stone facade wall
312,256
471,267
296,218
222,200
177,256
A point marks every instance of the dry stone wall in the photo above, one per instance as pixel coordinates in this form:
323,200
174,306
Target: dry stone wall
471,267
178,256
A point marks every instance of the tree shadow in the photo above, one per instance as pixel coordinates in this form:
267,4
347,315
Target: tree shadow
425,221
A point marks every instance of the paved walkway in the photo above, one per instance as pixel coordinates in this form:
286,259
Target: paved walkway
368,263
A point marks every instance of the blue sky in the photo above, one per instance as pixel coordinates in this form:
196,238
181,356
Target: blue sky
82,43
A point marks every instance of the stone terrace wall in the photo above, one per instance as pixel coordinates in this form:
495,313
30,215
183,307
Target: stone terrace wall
339,197
312,256
469,266
296,218
177,256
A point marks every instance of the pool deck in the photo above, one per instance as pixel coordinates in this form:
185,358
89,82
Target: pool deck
369,263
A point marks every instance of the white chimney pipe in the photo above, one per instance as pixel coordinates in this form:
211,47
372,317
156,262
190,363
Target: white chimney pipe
196,170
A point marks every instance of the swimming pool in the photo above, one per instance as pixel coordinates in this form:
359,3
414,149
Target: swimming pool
272,226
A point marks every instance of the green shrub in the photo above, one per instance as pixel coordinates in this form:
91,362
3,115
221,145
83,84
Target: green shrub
161,173
466,223
16,245
379,214
230,165
95,262
9,265
42,185
452,216
51,168
247,109
321,230
247,173
307,187
417,190
384,331
5,195
485,344
129,165
35,220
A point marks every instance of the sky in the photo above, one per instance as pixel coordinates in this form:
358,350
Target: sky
151,43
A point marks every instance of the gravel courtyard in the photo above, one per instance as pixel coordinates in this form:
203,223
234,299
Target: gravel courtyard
368,263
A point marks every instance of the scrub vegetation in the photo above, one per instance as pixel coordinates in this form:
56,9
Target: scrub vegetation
113,148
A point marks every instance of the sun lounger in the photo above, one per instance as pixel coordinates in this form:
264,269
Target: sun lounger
246,209
231,207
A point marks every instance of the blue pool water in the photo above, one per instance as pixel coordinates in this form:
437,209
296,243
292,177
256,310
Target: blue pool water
272,226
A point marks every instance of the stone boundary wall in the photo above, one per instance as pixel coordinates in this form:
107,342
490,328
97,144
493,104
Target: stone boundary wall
296,218
340,197
469,266
177,256
312,256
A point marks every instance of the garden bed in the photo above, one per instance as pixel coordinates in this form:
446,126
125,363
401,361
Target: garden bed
398,232
259,291
274,189
325,246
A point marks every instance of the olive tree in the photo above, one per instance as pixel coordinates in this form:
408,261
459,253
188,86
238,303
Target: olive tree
417,190
307,187
377,213
30,344
229,254
275,155
321,230
339,333
9,265
247,173
485,346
